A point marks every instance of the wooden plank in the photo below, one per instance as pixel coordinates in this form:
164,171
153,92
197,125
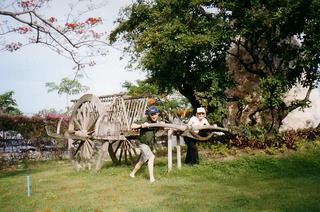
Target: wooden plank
178,153
119,145
182,127
125,114
112,154
169,150
121,151
102,154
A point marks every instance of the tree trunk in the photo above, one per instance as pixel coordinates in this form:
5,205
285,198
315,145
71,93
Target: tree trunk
188,92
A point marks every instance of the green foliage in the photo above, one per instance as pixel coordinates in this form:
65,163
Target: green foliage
253,132
213,98
177,43
271,150
278,52
273,89
8,103
184,45
216,148
141,88
170,103
28,127
45,112
67,86
273,143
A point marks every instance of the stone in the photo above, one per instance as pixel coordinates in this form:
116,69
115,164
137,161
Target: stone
302,118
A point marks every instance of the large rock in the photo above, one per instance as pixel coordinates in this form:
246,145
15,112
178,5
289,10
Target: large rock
302,118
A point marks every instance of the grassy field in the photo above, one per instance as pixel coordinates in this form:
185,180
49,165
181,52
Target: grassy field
250,183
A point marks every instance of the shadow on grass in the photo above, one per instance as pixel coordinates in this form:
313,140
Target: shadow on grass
29,167
20,172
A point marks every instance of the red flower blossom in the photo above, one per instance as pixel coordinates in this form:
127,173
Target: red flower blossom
58,116
52,19
23,30
13,46
26,4
93,21
72,25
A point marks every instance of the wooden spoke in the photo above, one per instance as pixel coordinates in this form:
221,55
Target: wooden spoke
112,154
90,119
112,142
125,156
85,114
78,124
130,156
78,148
120,143
122,151
101,155
134,151
92,122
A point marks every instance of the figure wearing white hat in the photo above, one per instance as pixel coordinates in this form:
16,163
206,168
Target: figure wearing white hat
192,156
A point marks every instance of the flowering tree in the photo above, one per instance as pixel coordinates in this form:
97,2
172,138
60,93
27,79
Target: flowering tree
24,22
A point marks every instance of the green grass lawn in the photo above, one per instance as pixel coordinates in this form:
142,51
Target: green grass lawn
249,183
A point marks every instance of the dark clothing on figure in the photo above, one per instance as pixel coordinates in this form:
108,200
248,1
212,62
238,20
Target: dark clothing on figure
192,156
203,133
147,135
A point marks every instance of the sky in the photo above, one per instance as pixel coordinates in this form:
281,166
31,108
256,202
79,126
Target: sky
27,70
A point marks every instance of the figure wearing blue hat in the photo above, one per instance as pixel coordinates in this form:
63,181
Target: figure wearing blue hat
146,140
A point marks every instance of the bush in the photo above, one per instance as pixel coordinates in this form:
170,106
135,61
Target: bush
270,143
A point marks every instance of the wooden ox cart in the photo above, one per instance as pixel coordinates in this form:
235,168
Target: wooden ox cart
101,125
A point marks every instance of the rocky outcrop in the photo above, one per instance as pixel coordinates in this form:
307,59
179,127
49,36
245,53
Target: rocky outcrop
302,118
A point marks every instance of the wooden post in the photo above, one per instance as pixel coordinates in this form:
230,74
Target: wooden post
178,152
169,150
102,153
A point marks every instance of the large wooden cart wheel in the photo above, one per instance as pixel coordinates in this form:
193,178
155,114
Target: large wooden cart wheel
123,151
85,114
